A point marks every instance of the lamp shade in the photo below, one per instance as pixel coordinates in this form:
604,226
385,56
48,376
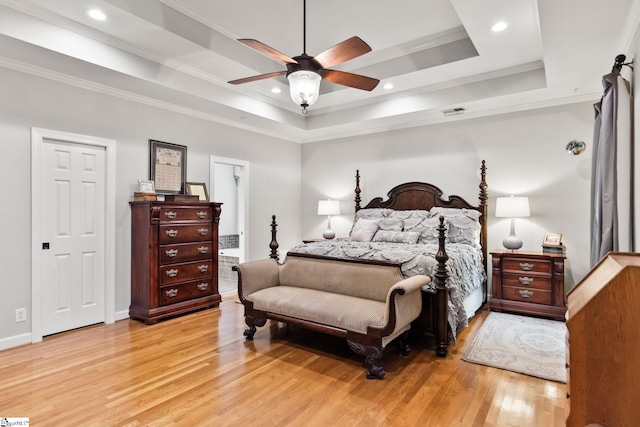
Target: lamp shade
328,207
512,207
304,87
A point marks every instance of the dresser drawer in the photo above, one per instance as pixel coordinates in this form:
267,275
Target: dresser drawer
185,291
174,273
527,265
170,254
535,296
185,213
173,233
527,281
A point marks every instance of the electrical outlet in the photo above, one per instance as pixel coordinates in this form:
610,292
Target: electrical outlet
21,314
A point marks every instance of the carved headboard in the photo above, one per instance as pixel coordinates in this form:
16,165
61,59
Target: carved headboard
420,195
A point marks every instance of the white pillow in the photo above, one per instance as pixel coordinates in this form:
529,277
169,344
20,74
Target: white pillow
364,230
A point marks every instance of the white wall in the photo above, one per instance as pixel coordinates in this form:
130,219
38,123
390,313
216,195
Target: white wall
525,155
36,102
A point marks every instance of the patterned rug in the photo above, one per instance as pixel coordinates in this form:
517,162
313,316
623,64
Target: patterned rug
527,345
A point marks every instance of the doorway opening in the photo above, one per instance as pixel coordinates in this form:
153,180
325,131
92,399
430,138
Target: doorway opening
230,186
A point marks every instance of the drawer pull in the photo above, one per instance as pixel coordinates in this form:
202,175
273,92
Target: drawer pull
525,280
203,286
203,268
203,249
172,273
203,231
201,215
171,214
171,233
526,266
525,293
171,252
171,293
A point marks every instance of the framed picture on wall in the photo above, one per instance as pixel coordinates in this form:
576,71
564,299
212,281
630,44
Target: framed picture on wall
167,166
199,189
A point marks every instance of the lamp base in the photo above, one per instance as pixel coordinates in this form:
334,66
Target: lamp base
329,234
512,243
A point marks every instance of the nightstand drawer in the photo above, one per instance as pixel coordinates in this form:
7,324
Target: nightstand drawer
535,296
527,281
527,265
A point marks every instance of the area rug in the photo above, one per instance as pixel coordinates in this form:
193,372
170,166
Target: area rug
527,345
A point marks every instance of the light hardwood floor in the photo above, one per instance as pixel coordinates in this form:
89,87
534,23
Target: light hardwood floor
197,370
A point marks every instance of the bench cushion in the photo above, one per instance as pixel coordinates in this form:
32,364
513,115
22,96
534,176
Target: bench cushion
328,308
367,281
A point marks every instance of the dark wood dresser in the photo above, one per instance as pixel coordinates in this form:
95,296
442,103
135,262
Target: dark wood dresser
174,258
528,283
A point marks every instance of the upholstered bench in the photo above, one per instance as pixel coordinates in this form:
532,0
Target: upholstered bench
369,303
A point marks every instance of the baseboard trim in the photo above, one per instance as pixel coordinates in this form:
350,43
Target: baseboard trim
121,315
15,341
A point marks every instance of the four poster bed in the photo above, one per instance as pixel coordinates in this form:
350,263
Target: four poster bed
407,229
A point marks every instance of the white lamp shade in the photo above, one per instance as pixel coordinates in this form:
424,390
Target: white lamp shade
328,207
512,207
304,87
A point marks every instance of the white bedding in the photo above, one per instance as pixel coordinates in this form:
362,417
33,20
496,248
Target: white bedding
465,268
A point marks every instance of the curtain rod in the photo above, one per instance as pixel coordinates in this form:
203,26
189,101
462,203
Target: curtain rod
619,63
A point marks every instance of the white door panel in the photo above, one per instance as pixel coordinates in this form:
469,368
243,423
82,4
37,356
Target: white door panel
73,223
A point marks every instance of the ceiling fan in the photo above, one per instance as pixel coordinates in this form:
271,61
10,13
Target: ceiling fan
305,72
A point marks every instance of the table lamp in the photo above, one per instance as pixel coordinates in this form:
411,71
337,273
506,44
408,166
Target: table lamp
328,207
512,207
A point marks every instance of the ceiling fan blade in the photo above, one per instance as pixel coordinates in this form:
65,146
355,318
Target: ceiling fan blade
343,51
267,50
349,79
258,77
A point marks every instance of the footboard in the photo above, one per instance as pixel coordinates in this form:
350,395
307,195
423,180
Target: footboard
434,306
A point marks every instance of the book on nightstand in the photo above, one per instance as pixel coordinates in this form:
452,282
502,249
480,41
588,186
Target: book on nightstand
554,249
139,196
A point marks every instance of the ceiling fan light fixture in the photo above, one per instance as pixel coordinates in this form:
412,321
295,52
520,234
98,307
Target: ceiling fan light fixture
304,87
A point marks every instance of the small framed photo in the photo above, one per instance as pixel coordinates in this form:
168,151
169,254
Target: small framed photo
146,186
552,239
199,189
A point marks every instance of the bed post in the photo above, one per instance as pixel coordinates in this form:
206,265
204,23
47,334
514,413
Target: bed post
442,300
274,243
483,206
357,190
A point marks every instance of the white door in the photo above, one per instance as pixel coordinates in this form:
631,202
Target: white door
73,235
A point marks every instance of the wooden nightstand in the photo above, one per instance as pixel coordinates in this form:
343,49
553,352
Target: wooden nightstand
528,283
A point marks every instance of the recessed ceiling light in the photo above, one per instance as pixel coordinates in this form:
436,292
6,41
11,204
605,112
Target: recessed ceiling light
276,90
96,14
388,86
499,26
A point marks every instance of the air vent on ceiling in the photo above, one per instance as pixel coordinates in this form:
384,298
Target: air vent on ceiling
453,111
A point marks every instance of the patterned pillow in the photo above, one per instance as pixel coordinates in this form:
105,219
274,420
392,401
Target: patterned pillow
463,225
390,224
410,237
417,213
364,230
371,213
462,229
428,228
